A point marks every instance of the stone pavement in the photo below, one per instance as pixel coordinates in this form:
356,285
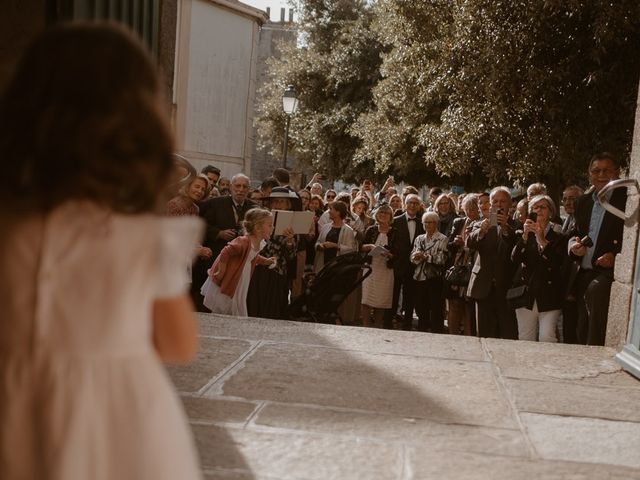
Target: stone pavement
285,400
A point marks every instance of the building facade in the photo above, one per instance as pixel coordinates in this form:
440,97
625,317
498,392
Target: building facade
272,34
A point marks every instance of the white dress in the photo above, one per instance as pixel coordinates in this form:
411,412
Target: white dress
218,302
83,393
377,288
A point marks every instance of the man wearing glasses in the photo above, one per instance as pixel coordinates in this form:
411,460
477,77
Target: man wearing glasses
569,197
570,267
597,240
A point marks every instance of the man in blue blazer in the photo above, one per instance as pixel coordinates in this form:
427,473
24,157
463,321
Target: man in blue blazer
597,256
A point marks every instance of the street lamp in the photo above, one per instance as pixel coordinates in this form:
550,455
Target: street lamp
289,105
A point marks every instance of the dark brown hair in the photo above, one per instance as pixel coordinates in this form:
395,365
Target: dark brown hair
340,207
82,119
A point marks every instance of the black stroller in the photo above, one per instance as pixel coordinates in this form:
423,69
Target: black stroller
324,292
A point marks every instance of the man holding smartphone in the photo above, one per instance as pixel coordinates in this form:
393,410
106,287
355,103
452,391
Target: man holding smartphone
494,238
597,239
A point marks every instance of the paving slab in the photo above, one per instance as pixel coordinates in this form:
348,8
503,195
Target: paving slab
570,399
286,400
426,464
288,455
585,440
349,338
551,361
222,474
389,428
204,409
214,357
411,386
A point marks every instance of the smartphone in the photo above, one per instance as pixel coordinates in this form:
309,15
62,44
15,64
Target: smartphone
493,217
586,241
533,216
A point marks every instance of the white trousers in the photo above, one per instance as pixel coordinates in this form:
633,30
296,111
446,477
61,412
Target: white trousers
534,325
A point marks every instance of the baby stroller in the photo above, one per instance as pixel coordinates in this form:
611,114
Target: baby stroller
324,292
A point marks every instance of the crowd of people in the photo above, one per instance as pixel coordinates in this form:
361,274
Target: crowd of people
480,263
93,278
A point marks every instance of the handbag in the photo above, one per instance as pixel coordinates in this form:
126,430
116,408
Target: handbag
458,275
518,296
427,271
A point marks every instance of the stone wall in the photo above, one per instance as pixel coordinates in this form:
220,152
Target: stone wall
271,34
622,298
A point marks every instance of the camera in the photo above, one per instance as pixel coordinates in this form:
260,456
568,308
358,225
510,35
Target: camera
586,241
533,216
493,217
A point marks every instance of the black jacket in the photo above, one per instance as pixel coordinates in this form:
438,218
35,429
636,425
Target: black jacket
610,235
543,270
371,235
402,265
219,215
492,265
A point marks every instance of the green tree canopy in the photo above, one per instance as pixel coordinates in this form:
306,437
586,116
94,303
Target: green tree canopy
333,72
473,91
504,90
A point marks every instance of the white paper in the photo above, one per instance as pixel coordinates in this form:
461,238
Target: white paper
300,222
378,250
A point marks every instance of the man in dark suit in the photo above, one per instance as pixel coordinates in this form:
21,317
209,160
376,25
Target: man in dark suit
492,273
408,226
594,278
223,216
570,267
569,197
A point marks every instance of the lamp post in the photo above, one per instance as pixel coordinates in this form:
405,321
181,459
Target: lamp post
289,105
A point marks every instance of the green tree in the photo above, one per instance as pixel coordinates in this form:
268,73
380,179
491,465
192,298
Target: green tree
409,96
333,72
503,90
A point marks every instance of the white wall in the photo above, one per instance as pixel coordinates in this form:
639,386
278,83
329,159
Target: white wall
219,87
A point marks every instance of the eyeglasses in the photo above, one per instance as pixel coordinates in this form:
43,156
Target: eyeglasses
330,197
599,171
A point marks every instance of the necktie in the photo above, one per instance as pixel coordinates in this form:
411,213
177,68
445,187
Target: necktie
237,209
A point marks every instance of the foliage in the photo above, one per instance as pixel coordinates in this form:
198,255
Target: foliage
333,73
514,90
472,91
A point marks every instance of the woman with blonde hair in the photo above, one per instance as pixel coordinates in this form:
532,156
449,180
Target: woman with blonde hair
540,252
445,207
377,288
461,309
186,202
